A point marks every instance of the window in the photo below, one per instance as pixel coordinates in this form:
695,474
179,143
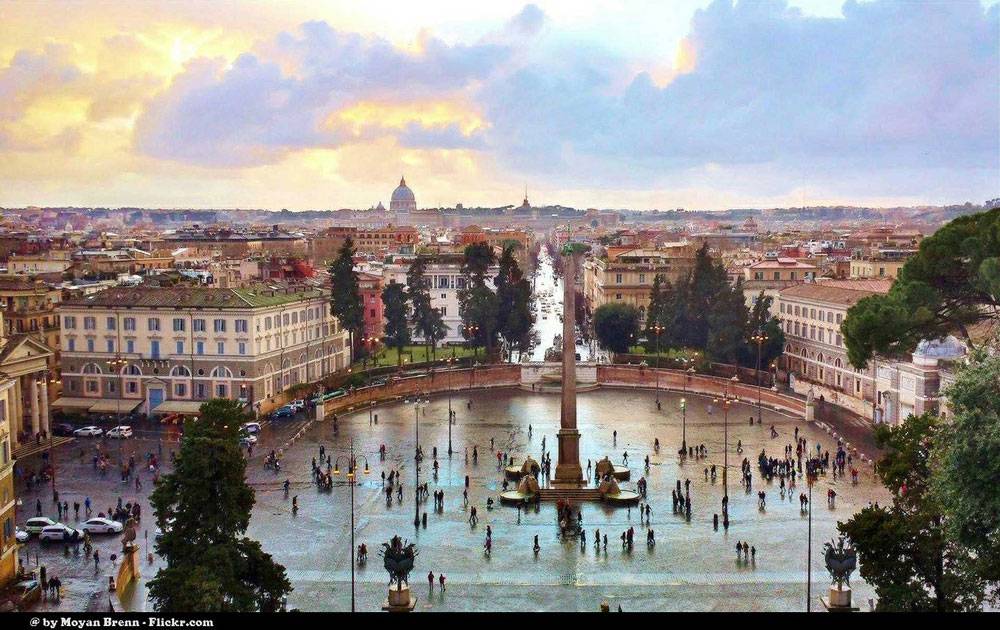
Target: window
180,370
200,388
241,325
131,387
111,345
618,278
180,347
178,324
267,323
243,348
154,324
180,389
69,322
198,325
220,390
130,346
219,325
92,387
111,323
199,347
90,323
221,348
129,323
71,344
154,349
90,345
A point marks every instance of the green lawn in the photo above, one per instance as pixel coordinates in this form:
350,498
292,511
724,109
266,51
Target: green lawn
415,354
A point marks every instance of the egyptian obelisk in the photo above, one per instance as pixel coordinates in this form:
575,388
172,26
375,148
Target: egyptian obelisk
568,470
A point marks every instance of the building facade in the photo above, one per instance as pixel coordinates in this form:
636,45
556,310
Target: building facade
164,350
8,544
627,275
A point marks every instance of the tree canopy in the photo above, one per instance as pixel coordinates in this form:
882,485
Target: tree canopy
345,294
951,283
203,509
616,326
478,304
397,329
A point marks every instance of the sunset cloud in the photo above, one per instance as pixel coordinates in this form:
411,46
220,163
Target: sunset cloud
722,103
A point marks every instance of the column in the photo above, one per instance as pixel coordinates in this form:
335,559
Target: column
568,470
35,420
44,400
16,408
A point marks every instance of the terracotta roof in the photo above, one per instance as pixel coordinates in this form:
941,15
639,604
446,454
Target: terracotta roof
187,297
842,292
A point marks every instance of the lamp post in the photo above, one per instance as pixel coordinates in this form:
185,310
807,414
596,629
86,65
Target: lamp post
118,364
352,464
448,362
473,330
758,339
658,329
810,480
726,401
53,380
687,377
417,405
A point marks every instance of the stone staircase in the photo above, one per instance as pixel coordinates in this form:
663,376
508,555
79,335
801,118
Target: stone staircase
573,495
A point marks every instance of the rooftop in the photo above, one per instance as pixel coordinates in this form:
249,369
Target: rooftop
196,297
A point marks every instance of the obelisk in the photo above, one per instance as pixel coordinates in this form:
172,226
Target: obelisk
568,470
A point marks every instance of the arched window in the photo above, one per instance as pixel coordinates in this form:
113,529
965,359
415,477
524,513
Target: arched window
131,370
820,357
91,368
180,370
285,364
838,363
222,372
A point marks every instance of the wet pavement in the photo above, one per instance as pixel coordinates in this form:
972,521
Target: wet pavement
691,566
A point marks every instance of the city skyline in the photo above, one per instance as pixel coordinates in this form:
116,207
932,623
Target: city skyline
701,105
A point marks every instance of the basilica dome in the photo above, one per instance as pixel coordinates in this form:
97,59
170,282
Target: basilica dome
402,198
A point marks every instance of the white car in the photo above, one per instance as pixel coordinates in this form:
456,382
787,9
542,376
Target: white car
100,525
247,439
252,428
297,405
90,431
120,432
37,524
21,535
59,533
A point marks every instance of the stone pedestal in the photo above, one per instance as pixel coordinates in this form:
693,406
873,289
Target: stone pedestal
400,599
838,600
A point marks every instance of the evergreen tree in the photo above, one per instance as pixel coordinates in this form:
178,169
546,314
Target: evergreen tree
397,329
727,324
478,304
203,509
514,299
345,294
423,317
616,325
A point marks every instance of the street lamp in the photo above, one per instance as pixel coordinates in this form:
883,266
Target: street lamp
658,329
759,338
53,380
687,377
417,405
726,401
118,365
473,330
448,362
352,464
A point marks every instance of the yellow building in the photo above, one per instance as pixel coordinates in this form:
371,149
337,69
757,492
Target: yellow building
627,274
8,544
876,267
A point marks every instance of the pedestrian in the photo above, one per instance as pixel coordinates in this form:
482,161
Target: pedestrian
97,559
430,580
441,581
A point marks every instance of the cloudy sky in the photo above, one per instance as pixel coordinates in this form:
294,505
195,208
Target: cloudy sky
699,104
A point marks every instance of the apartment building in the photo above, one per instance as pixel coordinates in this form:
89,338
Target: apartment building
444,275
29,308
811,315
163,350
771,275
627,274
8,544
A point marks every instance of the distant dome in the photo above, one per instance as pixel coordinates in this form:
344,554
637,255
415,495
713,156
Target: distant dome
402,198
948,348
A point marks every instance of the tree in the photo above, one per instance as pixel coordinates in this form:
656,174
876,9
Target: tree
345,294
203,509
426,320
951,283
478,305
655,312
707,284
762,322
727,324
514,294
967,466
903,550
397,329
616,326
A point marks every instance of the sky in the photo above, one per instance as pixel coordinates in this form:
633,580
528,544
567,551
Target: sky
697,104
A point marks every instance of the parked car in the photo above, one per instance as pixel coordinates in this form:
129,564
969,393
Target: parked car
63,429
37,524
283,412
59,532
21,535
247,439
252,428
297,404
120,432
90,431
101,525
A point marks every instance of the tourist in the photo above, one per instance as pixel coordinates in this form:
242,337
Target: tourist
430,580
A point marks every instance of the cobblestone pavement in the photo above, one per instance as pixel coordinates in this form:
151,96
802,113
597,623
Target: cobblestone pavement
691,566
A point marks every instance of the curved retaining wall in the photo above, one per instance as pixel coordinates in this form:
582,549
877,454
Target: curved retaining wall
510,375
